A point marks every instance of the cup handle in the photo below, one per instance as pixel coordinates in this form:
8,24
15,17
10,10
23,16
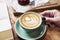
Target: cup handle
43,19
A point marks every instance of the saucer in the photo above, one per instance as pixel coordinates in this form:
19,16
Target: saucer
23,9
30,35
20,8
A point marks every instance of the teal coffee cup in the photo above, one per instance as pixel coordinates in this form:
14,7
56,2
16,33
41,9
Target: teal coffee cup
30,26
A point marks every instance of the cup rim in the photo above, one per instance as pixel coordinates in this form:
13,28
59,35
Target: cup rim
40,22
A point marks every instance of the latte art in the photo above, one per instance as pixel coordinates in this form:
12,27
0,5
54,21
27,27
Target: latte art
30,20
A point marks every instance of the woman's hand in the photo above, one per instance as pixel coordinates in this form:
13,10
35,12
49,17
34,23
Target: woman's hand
52,16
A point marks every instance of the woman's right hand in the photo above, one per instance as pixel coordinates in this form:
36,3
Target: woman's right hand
52,16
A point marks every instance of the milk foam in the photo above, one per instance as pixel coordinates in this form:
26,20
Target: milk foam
30,20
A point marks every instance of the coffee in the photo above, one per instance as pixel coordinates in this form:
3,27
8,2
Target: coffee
30,20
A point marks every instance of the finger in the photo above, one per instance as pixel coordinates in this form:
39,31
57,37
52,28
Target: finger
48,19
47,12
50,25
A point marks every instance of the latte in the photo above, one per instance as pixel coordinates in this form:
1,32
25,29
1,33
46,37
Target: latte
30,20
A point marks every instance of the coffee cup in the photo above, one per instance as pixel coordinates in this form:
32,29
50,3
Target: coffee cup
30,21
30,25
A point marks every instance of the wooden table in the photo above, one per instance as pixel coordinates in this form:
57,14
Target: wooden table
52,33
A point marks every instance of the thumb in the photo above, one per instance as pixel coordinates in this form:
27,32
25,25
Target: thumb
50,19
